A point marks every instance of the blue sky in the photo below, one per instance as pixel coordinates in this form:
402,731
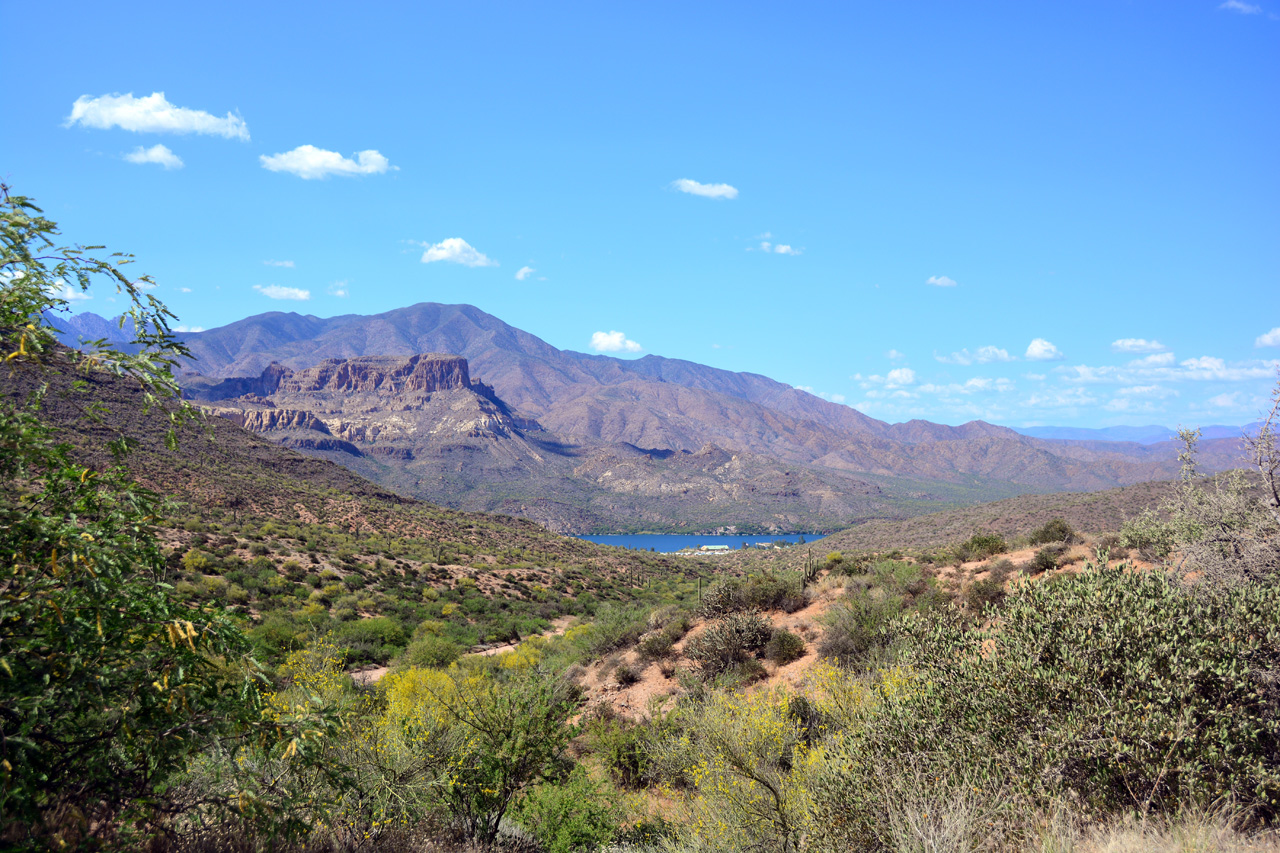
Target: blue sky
1030,213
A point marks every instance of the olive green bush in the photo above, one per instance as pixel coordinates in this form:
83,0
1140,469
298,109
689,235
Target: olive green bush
1054,530
980,546
728,642
1121,690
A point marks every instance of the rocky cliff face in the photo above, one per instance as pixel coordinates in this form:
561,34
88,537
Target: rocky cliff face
381,375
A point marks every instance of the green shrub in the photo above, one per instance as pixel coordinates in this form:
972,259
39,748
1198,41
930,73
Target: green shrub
1046,559
728,642
984,595
575,815
857,627
431,650
1123,690
784,647
980,546
655,646
625,675
1055,530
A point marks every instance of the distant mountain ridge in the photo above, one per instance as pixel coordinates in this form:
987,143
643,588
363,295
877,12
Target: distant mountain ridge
1138,434
606,408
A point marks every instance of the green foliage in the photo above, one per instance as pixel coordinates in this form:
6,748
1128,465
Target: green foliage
757,592
858,627
107,684
1123,689
984,595
980,546
1054,530
432,651
1046,559
575,814
784,647
481,742
728,642
625,675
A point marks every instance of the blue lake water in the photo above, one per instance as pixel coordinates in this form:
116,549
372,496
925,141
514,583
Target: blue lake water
665,543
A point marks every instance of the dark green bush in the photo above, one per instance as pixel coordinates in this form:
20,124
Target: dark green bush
1055,530
984,595
431,651
1046,559
980,546
655,646
857,627
728,642
576,814
1125,690
784,647
625,675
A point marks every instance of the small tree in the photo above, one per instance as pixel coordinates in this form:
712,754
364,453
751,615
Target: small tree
482,743
107,684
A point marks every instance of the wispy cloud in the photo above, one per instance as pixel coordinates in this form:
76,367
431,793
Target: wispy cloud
1268,339
158,154
613,342
275,291
894,355
721,191
288,264
1161,368
1137,345
941,281
1241,7
151,114
339,289
1041,350
188,328
69,293
778,249
524,272
455,250
311,163
983,355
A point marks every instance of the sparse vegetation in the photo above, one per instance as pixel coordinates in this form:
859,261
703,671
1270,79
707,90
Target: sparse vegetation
940,711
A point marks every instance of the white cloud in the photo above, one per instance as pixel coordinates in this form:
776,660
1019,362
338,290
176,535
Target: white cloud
275,291
940,281
685,185
288,264
900,376
1164,359
158,154
1241,7
184,290
1137,345
1161,368
984,355
69,293
1230,400
1041,350
1035,377
309,163
1147,391
783,249
188,328
1270,339
524,272
613,342
894,355
152,114
339,289
455,250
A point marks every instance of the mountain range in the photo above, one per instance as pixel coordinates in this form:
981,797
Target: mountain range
591,443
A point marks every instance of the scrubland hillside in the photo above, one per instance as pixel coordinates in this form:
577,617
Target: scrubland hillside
181,614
